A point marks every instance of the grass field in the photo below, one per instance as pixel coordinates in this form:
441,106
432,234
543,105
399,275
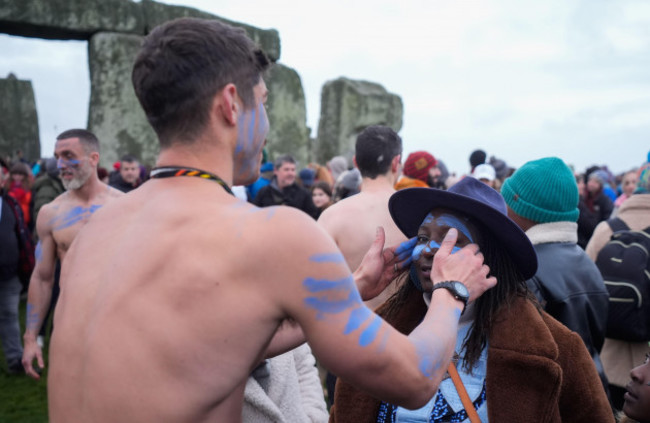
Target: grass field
22,399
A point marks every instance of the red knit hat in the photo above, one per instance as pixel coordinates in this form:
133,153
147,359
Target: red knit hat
417,165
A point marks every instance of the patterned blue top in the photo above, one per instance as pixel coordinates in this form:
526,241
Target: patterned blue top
446,405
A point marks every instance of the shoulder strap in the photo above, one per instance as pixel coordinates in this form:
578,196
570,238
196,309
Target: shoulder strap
462,393
617,225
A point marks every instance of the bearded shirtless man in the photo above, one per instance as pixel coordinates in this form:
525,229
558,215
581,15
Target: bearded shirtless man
58,223
352,222
168,318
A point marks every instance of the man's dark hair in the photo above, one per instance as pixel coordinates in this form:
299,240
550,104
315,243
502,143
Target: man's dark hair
128,158
88,140
286,158
375,149
183,64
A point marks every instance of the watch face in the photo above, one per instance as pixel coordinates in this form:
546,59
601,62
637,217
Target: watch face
461,289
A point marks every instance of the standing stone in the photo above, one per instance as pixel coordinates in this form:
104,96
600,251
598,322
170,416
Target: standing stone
70,19
18,119
347,108
287,113
115,115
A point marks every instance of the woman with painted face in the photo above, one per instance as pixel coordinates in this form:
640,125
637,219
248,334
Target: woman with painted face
513,362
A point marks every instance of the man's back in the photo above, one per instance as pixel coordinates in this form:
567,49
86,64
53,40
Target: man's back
353,222
163,319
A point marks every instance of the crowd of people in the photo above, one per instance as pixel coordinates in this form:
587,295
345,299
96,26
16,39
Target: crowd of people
423,293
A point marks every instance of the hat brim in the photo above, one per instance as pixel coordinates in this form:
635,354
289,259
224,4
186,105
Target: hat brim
409,207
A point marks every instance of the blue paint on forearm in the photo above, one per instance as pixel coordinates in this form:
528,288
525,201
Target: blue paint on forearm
357,317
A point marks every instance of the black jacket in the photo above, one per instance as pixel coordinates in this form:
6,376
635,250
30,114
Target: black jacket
571,289
293,196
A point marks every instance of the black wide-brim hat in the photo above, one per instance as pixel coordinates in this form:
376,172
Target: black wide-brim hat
472,198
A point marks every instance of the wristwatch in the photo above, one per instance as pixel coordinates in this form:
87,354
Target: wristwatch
457,289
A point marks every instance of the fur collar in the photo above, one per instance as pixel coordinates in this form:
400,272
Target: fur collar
544,233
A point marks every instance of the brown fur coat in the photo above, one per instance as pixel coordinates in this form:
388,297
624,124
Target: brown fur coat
537,371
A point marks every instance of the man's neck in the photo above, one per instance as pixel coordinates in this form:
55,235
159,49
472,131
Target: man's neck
381,183
213,159
89,190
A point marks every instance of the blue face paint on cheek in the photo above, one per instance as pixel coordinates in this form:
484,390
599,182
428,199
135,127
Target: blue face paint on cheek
417,252
61,163
406,246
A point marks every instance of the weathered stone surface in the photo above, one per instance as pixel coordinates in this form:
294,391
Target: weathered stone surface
70,19
347,108
18,119
287,113
80,19
158,13
115,115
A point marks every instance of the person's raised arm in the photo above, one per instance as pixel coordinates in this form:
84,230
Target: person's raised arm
39,294
353,342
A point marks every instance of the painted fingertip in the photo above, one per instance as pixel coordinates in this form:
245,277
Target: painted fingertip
406,245
451,232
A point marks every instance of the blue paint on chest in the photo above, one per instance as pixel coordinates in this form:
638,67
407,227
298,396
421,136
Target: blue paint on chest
73,216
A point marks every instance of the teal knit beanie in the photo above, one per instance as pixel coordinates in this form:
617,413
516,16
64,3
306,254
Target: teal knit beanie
543,191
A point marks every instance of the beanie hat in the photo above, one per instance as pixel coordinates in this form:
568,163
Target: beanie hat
307,177
643,186
543,191
500,167
600,175
417,165
476,158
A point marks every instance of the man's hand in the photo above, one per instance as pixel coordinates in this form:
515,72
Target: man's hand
465,266
32,351
380,266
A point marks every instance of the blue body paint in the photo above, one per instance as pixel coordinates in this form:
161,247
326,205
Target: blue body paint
370,333
38,252
407,245
333,296
328,258
73,216
32,317
357,317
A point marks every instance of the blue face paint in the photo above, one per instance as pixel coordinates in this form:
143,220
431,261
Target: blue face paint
73,216
328,258
417,252
253,126
38,253
61,163
454,222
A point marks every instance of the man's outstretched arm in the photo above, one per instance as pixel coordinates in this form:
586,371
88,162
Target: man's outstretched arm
359,346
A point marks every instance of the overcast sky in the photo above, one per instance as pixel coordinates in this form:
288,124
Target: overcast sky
521,80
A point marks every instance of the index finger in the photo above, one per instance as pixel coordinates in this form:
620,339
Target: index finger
448,243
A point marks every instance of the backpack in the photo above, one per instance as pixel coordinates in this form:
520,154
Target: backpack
624,263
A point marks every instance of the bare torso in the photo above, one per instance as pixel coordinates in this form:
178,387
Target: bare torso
141,319
353,224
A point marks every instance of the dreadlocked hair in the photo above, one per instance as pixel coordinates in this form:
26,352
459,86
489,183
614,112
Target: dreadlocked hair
510,284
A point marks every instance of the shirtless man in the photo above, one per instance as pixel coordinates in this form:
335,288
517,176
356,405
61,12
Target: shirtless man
168,318
352,222
58,223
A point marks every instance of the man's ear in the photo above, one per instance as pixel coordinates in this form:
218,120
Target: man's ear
227,104
395,163
94,158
